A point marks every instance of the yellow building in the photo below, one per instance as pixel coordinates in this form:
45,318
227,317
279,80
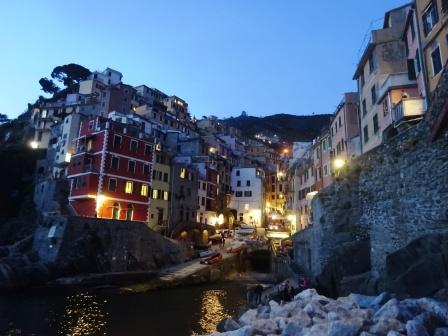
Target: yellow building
432,20
160,193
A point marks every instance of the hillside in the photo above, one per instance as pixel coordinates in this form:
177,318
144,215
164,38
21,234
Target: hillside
288,127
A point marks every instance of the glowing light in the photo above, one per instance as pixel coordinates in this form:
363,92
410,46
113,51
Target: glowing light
68,157
338,163
34,144
221,219
100,199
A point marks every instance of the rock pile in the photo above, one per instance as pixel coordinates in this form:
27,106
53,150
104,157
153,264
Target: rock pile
311,314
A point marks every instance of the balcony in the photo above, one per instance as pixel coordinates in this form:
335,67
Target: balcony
393,81
408,109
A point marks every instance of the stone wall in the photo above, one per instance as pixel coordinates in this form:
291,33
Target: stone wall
77,245
385,199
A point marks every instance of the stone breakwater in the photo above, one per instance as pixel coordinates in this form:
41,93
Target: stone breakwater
311,314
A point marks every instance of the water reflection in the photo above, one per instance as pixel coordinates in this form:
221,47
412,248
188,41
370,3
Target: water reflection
212,310
83,315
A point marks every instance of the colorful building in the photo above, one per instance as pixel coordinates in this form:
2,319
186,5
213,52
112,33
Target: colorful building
111,171
383,78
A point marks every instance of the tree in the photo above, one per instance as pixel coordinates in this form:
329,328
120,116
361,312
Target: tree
244,114
48,86
70,74
3,118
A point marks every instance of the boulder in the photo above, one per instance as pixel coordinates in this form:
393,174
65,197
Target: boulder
415,328
418,269
436,308
266,326
383,326
389,310
292,329
228,324
344,328
441,332
248,317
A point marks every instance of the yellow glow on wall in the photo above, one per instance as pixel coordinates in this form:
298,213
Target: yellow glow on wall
129,187
144,190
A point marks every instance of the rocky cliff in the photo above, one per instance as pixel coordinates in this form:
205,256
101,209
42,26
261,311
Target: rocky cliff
383,224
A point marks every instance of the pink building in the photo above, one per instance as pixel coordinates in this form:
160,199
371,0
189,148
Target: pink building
344,129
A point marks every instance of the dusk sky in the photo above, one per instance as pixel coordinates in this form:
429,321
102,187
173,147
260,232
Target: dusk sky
222,57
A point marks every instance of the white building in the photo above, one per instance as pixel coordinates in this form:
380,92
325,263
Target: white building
248,195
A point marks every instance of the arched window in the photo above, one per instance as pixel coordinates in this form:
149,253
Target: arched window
129,212
116,211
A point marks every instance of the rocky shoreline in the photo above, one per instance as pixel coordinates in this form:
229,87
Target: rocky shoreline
311,314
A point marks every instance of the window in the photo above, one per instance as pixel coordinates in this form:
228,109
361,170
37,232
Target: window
154,193
375,124
239,194
373,92
112,184
436,60
146,169
133,146
363,80
385,106
203,185
340,122
144,190
129,187
165,177
148,150
248,193
364,108
238,183
117,141
412,75
183,172
366,134
325,170
430,18
131,166
372,65
412,29
248,183
418,66
273,188
237,173
166,196
114,162
91,124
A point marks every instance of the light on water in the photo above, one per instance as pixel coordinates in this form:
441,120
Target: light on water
212,311
83,315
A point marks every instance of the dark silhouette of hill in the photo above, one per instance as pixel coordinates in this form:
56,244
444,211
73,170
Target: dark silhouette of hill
288,127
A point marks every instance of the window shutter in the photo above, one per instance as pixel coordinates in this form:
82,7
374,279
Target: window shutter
411,70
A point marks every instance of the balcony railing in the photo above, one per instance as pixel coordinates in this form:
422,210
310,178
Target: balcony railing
408,109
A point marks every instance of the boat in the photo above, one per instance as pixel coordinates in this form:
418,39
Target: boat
213,259
206,253
236,248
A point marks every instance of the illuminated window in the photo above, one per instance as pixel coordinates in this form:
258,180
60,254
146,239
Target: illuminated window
154,193
182,173
129,187
165,196
144,190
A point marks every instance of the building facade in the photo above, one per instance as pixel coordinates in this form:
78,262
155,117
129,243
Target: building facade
111,170
248,195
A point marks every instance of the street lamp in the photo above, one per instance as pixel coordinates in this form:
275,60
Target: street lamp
338,163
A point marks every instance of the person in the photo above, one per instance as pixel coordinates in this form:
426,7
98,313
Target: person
258,292
286,292
223,239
